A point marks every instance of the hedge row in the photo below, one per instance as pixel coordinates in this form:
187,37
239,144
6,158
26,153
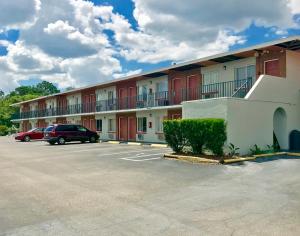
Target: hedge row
197,134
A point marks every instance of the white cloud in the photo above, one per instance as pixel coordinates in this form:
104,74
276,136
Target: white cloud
28,59
4,43
295,6
90,70
201,20
182,30
65,45
128,73
67,29
8,80
18,14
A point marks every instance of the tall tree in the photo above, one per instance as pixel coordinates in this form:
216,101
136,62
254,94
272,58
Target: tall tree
20,94
46,88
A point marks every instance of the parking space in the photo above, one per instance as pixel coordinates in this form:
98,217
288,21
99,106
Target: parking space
119,189
135,153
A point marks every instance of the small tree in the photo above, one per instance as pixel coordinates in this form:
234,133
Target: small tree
3,130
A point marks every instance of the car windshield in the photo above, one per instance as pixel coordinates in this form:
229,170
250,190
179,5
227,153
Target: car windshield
35,129
82,129
49,128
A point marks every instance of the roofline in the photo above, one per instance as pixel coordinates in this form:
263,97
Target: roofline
258,46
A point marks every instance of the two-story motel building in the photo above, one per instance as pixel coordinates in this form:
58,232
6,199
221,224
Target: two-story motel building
256,90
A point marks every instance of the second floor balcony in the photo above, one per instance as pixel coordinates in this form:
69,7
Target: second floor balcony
236,88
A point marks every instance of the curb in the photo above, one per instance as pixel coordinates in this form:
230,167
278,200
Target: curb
134,143
230,161
226,161
293,154
270,154
113,142
192,159
159,145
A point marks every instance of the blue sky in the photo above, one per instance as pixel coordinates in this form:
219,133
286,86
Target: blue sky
77,43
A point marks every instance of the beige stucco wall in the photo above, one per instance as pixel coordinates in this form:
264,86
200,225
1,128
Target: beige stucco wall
33,106
105,134
71,99
151,83
250,120
151,135
51,102
74,120
33,123
50,121
228,74
102,94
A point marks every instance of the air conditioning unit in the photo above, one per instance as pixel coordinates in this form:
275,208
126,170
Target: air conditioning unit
161,136
140,137
111,136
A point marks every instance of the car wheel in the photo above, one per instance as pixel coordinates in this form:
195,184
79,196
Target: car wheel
61,141
92,139
52,143
26,138
82,141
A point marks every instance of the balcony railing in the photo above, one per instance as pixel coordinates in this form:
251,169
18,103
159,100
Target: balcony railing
236,88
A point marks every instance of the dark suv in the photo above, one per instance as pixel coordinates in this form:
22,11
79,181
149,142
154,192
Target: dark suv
66,133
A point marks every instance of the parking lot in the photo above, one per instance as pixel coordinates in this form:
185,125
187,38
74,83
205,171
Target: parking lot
118,189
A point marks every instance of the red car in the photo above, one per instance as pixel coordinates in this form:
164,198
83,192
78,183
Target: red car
36,133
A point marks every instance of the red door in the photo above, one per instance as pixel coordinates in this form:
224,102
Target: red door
176,116
122,98
272,68
86,123
123,129
93,102
62,105
193,87
86,102
93,124
177,91
131,128
131,98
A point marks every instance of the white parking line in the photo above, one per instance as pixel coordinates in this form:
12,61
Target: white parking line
88,150
136,158
149,159
117,153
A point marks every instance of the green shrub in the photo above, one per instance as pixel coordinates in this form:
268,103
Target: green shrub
3,130
174,135
216,135
256,150
196,133
196,140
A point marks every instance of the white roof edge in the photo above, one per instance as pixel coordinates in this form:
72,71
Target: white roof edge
257,46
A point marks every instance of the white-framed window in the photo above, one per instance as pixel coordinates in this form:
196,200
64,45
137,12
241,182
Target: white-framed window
245,72
142,124
159,128
99,125
98,96
162,89
162,86
142,90
111,125
110,95
211,77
